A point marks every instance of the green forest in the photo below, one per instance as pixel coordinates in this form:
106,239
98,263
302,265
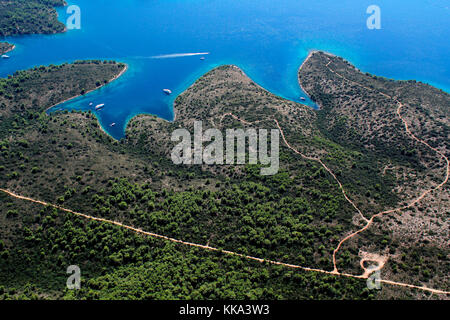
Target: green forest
296,216
29,17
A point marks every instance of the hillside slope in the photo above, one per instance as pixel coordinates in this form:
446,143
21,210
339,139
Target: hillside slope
297,216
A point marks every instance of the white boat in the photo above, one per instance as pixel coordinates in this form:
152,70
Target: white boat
99,106
4,56
167,91
202,58
112,124
302,99
91,104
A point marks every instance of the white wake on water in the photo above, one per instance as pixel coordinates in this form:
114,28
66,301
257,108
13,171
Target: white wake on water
175,55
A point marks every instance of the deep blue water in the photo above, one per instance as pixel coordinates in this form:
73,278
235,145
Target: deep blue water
268,39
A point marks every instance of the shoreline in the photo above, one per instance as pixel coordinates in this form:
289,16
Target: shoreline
175,111
113,79
99,87
310,54
244,74
13,46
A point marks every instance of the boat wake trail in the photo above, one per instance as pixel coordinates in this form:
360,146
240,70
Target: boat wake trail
175,55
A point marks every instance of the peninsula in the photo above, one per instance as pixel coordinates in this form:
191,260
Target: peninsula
298,217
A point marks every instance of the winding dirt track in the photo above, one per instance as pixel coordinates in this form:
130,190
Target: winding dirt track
260,260
205,247
341,187
408,131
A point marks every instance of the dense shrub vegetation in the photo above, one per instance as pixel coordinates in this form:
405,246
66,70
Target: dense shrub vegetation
29,16
296,216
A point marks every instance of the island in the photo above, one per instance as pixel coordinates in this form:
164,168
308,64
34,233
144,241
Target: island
298,217
30,17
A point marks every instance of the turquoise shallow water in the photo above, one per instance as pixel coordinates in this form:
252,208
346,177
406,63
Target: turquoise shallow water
267,39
